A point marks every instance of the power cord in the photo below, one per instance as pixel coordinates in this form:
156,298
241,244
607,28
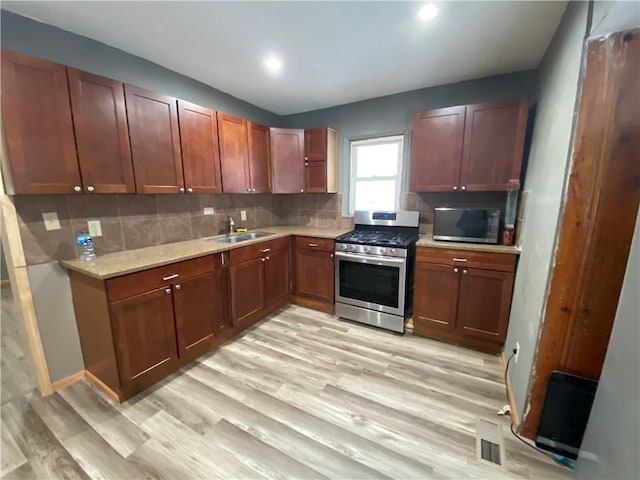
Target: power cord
559,459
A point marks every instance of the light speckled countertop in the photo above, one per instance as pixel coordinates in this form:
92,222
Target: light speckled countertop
426,240
120,263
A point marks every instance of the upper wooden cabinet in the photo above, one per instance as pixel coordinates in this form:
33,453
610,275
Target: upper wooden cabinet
287,160
468,148
234,153
102,133
38,126
321,160
259,158
155,141
200,154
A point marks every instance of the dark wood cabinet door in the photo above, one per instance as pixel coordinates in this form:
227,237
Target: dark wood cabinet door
234,153
200,153
436,150
315,144
36,113
200,310
144,336
315,177
247,289
485,300
315,275
493,144
259,158
435,297
277,276
155,141
102,133
287,160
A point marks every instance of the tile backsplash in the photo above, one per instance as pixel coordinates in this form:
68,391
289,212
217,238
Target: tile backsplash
135,221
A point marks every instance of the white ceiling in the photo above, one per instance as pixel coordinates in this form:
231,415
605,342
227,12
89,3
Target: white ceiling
333,52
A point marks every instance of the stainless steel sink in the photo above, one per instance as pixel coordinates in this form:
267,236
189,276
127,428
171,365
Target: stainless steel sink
239,237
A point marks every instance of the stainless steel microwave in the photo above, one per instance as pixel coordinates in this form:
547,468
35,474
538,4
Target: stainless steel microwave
461,224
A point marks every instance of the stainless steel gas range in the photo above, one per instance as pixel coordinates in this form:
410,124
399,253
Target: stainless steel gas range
375,267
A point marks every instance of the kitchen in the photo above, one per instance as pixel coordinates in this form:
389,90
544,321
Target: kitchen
157,219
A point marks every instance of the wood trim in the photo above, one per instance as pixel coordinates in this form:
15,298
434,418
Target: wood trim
313,304
101,386
69,380
598,221
458,339
512,402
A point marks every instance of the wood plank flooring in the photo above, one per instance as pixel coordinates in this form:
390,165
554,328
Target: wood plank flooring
301,395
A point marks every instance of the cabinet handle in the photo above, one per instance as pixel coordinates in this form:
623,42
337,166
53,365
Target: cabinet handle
265,250
459,259
465,271
455,270
181,189
90,188
455,188
167,290
222,258
463,188
190,190
313,244
178,286
169,277
77,188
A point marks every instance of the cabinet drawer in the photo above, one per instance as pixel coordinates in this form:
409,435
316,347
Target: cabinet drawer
315,243
136,283
504,262
250,252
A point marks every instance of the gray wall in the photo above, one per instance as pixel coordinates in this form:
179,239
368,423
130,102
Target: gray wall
612,441
27,36
393,114
56,319
549,160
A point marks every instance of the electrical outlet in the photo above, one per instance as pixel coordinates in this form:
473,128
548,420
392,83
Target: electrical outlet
209,211
95,229
243,215
517,354
51,221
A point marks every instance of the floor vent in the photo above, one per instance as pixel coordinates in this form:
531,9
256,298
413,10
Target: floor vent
490,442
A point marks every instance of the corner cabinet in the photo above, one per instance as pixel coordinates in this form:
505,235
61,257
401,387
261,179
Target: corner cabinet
463,296
468,148
138,328
260,280
314,273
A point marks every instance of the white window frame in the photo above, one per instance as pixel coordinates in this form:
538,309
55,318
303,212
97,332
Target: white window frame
352,172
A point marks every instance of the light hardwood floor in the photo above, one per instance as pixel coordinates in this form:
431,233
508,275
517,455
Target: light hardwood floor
301,395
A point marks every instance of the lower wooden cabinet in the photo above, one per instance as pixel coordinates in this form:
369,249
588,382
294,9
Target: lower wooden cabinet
315,273
138,328
463,297
259,280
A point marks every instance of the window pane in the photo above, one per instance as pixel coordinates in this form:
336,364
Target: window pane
375,195
377,160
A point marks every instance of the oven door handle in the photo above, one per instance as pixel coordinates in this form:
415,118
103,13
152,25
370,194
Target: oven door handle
370,259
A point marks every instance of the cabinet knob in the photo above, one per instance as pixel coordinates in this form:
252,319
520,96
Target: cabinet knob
77,188
253,190
90,188
455,270
248,190
302,189
266,258
167,290
455,188
332,255
463,188
178,287
306,158
190,190
181,189
464,271
262,259
306,164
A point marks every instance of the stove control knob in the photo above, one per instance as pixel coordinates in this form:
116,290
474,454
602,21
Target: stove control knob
367,249
352,248
393,251
343,247
383,251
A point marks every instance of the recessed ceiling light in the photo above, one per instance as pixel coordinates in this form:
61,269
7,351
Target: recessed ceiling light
428,12
273,65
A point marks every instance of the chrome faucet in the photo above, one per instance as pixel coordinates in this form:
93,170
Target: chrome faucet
231,224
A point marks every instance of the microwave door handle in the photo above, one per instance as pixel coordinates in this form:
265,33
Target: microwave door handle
372,260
